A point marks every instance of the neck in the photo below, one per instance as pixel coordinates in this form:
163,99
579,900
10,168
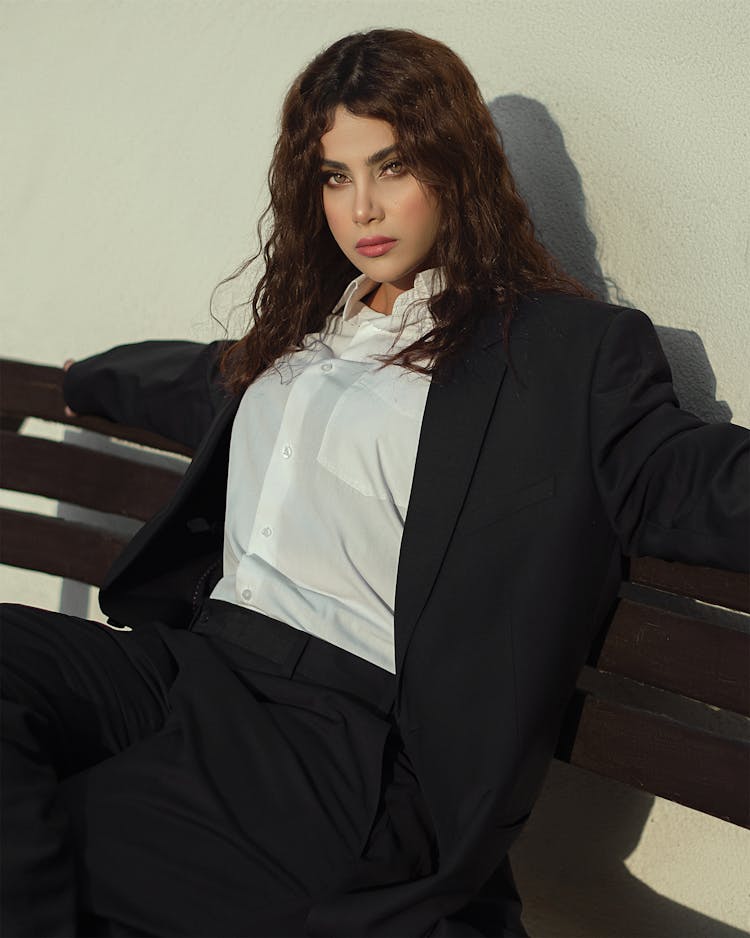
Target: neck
383,298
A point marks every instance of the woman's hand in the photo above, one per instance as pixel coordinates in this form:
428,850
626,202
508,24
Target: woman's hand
67,363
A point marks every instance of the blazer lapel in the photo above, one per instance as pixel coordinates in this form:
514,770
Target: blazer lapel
453,426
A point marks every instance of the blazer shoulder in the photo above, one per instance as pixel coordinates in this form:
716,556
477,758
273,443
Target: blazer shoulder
559,331
565,314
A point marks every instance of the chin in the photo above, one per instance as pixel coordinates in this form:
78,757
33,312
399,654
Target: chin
387,273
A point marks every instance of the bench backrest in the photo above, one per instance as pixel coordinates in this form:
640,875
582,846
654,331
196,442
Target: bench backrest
663,704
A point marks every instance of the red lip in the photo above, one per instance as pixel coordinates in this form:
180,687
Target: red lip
368,242
374,247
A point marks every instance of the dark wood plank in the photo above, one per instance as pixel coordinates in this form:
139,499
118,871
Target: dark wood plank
720,587
29,390
677,653
10,423
84,477
56,546
702,771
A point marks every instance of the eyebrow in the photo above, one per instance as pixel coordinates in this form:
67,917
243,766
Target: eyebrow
371,160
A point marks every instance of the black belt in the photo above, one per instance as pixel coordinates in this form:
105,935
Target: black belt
296,654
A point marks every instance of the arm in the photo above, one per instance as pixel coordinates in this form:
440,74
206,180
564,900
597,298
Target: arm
170,387
673,486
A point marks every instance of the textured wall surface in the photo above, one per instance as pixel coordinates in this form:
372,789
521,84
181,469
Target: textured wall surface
136,137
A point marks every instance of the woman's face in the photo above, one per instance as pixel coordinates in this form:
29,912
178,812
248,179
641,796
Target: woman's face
369,194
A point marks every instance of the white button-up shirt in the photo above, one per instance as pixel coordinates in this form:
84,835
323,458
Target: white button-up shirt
321,463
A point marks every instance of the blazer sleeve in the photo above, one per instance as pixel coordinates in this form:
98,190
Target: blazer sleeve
673,486
170,387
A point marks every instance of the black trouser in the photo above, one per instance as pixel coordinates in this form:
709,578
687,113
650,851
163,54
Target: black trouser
211,781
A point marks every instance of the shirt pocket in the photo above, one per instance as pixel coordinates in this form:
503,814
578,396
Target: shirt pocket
370,440
505,504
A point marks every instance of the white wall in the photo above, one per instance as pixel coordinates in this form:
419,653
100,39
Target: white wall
136,137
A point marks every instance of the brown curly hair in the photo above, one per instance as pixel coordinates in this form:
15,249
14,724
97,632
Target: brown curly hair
486,245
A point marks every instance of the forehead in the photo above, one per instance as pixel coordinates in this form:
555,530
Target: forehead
354,136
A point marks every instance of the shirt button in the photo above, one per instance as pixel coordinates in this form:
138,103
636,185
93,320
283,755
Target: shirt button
286,452
326,367
266,532
247,595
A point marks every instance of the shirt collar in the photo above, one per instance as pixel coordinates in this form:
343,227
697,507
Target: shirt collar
426,284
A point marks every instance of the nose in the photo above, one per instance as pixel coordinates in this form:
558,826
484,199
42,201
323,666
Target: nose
367,207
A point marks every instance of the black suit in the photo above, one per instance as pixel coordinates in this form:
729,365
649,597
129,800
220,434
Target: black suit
532,476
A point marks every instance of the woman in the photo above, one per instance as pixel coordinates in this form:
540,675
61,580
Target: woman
336,662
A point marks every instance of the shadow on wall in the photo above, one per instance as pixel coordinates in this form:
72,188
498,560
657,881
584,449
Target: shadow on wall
569,862
551,186
570,870
694,379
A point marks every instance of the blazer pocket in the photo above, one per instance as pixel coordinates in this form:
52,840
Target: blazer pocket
507,503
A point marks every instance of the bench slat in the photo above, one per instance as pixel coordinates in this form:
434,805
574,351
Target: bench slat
84,477
29,390
719,587
697,769
680,654
56,546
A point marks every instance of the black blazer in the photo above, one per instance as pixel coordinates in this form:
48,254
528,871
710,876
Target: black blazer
532,477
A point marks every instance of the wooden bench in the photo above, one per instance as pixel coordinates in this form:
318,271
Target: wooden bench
663,704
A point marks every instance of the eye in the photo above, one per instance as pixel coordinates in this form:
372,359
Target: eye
396,168
333,179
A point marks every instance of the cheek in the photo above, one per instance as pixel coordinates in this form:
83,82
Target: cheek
329,210
422,213
334,216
